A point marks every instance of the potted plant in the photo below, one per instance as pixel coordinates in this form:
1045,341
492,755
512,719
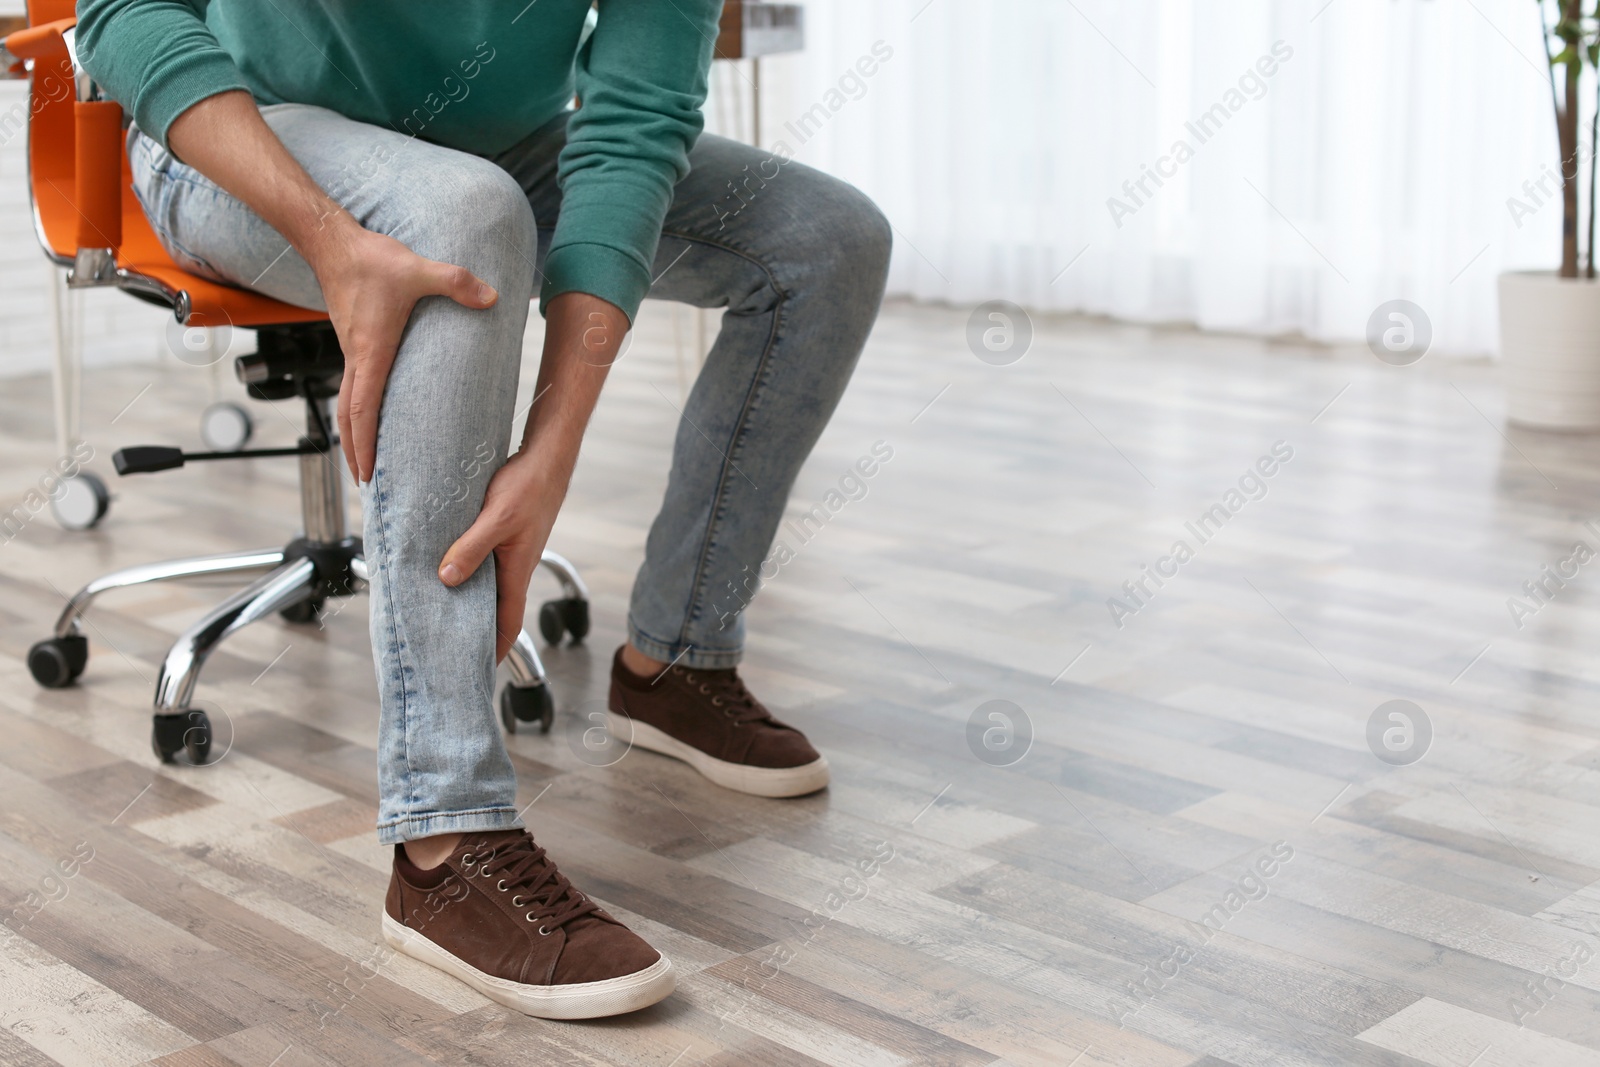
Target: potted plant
1550,322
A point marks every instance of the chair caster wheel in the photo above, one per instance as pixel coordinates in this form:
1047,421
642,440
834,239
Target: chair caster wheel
188,732
226,426
82,502
576,614
551,625
305,611
569,615
531,704
56,662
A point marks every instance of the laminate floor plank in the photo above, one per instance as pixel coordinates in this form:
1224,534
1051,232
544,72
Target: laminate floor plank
294,975
1441,1034
1421,967
966,1005
15,1052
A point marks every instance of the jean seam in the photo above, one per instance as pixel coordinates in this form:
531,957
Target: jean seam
758,380
382,527
415,817
648,636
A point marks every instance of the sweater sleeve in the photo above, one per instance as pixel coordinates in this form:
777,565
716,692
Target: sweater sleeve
641,80
155,57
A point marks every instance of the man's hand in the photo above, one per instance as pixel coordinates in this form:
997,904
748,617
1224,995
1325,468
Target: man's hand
371,283
519,509
583,335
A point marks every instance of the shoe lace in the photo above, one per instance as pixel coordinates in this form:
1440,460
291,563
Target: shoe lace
523,867
727,691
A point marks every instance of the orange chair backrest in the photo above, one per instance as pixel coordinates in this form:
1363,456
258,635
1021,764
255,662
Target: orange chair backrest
86,210
51,131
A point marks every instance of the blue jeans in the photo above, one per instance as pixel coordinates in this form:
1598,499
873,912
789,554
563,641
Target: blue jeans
797,258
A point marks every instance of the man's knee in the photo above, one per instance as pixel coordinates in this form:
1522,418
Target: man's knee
874,236
474,215
849,234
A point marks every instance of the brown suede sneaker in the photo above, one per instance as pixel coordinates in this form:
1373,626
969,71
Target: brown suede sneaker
499,916
710,720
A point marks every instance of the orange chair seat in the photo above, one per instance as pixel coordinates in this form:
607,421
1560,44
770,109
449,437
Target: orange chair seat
210,303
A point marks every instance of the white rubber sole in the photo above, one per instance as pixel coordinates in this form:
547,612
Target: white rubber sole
584,1000
757,781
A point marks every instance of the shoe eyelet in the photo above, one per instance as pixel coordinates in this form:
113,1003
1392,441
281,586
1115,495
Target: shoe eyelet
716,702
727,713
468,860
705,690
543,932
501,885
517,901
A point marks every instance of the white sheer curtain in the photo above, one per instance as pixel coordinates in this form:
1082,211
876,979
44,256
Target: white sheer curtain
1375,161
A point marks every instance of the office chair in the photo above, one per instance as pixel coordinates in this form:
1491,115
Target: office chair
88,220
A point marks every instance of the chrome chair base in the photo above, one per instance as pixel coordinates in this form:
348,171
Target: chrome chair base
294,581
287,577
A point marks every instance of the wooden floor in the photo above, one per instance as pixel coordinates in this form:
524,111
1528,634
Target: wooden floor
1198,860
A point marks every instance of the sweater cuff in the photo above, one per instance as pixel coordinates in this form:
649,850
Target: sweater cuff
598,270
201,76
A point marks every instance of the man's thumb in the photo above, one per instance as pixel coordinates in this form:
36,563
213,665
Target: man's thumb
467,554
462,286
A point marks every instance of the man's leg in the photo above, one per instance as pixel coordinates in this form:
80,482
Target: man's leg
470,893
445,426
799,261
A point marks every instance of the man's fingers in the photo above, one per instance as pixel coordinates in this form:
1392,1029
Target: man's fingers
459,284
347,441
366,398
470,550
508,620
513,570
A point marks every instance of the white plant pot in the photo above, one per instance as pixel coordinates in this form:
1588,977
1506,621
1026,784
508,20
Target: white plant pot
1550,350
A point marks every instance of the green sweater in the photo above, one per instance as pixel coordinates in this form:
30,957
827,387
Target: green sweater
476,75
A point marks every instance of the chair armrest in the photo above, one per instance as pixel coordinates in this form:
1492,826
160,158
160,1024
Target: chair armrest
97,166
45,41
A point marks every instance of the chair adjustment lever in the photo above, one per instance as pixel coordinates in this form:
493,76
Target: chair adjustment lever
147,459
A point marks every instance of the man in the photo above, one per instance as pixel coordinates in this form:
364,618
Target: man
415,170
